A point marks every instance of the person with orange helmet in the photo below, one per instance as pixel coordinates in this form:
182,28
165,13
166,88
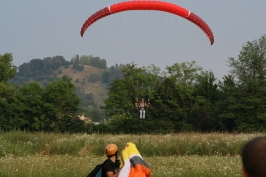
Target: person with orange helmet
111,166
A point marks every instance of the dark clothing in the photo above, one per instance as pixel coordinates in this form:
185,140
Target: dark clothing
109,165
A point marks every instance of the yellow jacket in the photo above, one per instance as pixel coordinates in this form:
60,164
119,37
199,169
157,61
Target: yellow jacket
132,163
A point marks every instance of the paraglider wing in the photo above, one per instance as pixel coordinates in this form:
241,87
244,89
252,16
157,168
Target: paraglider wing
149,5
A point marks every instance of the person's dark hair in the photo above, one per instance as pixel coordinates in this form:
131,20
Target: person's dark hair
254,157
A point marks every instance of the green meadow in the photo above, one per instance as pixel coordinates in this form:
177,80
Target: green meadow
185,154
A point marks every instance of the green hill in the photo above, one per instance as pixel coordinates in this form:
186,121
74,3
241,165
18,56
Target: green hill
83,82
88,73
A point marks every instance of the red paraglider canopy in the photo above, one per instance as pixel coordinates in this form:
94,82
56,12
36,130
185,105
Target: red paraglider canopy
149,5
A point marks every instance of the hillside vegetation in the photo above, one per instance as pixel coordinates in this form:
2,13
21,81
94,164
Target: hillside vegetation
89,74
86,73
82,82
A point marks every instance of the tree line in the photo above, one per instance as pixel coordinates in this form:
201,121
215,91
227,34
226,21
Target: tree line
187,98
183,98
34,108
49,69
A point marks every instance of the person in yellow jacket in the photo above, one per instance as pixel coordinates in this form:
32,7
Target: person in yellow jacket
133,164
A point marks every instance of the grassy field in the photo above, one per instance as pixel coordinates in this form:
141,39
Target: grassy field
191,154
71,166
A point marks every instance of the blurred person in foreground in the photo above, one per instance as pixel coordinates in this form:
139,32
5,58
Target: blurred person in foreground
254,158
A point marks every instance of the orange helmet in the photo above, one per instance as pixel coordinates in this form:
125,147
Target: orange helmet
111,149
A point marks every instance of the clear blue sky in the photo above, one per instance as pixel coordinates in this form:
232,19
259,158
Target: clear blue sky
37,29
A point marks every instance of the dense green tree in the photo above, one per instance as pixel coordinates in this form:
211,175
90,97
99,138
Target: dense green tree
246,103
86,60
165,105
206,86
29,99
24,70
184,73
115,73
76,63
152,80
60,103
207,100
11,115
38,68
141,82
34,108
119,98
93,61
97,62
7,71
105,76
226,117
103,63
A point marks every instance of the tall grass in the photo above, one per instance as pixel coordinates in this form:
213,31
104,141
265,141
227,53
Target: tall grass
69,166
21,144
73,155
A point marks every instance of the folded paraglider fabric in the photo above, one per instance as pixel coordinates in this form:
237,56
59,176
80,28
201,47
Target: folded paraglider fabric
133,163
